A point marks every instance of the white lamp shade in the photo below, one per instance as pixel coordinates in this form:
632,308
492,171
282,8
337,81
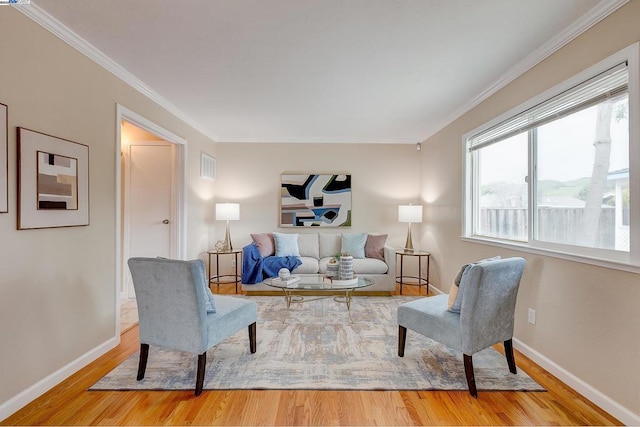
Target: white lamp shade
228,211
410,213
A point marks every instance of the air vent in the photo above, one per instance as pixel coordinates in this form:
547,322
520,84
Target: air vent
207,166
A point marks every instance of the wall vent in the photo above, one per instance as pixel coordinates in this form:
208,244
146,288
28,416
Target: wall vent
207,166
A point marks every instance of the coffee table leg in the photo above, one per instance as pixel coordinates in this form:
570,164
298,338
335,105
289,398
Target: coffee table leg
348,301
287,298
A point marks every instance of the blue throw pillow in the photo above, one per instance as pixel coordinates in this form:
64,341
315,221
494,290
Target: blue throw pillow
286,244
353,244
461,281
209,301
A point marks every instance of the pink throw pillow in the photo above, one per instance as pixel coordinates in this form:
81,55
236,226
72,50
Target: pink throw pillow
264,242
374,247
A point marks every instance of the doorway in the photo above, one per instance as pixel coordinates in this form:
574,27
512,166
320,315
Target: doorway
150,201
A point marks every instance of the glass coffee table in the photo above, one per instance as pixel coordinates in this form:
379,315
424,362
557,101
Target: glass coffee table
321,287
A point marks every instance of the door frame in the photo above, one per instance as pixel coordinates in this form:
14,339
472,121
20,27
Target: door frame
180,186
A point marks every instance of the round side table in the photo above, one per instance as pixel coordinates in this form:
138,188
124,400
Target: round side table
235,278
419,280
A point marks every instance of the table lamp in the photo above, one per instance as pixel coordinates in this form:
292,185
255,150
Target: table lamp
227,212
411,214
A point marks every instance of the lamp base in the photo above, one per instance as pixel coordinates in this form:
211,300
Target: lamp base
408,246
226,245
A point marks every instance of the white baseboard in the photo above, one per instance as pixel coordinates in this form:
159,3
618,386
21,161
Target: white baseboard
623,414
38,389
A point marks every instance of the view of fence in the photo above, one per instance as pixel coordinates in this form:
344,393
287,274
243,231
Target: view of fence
555,224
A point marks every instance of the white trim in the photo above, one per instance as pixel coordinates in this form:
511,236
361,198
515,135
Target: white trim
595,15
64,33
321,140
523,247
23,398
123,113
606,403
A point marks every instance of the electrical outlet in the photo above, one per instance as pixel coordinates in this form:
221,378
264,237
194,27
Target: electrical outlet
233,263
531,317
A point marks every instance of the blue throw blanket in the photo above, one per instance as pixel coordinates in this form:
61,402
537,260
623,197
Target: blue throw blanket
255,268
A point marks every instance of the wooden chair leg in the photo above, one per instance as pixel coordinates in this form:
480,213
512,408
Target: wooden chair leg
202,363
402,339
142,363
471,379
508,351
252,337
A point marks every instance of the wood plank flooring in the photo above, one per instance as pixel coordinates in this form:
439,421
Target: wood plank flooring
71,404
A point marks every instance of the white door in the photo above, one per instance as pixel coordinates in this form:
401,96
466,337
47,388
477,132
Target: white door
150,215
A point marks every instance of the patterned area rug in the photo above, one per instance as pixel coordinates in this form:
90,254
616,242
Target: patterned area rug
316,347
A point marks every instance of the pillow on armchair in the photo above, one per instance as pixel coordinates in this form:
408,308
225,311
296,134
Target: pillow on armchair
457,290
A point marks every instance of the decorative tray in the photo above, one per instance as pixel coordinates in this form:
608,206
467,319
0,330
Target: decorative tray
338,282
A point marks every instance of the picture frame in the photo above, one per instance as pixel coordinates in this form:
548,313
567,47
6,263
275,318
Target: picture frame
4,158
53,181
315,200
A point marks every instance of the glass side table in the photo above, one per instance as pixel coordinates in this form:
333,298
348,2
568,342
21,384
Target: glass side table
414,280
235,278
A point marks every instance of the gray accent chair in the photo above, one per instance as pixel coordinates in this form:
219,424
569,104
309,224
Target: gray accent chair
486,316
172,298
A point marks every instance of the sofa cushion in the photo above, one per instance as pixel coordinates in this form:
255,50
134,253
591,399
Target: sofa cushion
369,266
309,266
264,242
353,244
308,245
374,248
330,245
286,244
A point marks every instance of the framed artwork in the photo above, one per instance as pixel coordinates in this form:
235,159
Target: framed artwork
315,200
4,162
53,181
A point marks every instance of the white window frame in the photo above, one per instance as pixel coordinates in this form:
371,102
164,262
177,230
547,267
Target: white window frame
627,261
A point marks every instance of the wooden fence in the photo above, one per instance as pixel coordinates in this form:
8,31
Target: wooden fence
555,224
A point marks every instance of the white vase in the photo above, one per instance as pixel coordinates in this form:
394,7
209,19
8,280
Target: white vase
345,271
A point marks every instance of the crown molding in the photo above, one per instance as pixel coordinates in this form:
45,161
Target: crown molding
327,140
64,33
588,20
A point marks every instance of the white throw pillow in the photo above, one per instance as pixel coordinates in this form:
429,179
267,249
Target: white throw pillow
286,244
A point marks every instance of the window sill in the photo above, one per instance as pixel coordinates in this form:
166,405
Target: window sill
523,247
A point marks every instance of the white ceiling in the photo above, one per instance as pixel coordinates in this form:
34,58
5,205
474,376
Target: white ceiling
393,71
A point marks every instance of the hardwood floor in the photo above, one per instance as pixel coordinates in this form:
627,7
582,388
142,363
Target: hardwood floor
71,404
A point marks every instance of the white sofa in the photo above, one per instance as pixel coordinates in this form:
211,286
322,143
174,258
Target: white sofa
316,249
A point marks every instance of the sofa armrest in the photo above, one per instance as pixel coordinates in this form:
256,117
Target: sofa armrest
390,259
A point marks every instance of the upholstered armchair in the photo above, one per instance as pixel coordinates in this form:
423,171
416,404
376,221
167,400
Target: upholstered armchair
487,293
177,310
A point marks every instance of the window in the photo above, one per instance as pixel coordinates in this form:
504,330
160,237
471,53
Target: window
553,174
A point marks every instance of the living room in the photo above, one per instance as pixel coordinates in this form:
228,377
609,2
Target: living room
61,282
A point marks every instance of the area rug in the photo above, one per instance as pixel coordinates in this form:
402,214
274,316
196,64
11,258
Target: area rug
315,346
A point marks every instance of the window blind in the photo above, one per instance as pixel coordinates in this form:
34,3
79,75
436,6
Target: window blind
610,84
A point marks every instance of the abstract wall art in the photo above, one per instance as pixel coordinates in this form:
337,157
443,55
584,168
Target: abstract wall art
315,200
4,164
53,181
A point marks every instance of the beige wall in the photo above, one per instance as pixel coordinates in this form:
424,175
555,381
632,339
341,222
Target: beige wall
382,175
588,321
58,286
